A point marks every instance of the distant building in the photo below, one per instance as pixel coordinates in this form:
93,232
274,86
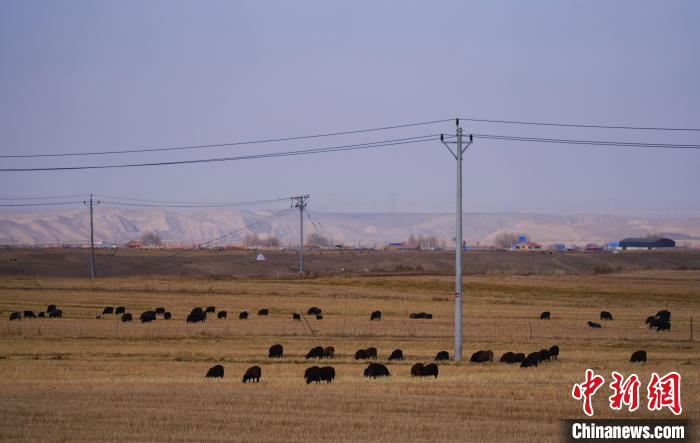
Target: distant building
592,247
646,243
528,246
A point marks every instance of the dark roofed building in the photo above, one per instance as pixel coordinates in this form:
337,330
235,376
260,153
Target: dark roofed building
647,243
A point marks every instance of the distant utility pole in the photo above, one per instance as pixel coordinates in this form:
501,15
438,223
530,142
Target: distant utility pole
92,238
460,147
300,202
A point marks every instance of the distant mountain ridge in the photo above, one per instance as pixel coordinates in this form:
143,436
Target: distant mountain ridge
114,224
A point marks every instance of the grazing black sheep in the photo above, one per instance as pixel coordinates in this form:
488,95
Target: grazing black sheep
508,357
197,310
361,354
430,369
481,356
50,308
147,316
442,355
371,352
554,352
543,355
296,316
253,373
28,314
108,310
210,310
546,315
127,317
263,311
316,352
594,325
16,316
312,374
376,315
326,373
160,311
221,315
605,315
375,370
531,360
421,315
215,371
243,315
328,352
314,311
649,320
639,356
519,357
196,317
417,370
120,310
167,315
56,313
396,354
276,351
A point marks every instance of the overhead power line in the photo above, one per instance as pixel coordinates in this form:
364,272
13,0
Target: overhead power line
586,142
40,204
579,125
222,145
183,204
50,197
353,147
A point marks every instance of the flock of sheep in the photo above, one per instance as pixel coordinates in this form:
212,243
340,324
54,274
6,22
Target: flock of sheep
660,321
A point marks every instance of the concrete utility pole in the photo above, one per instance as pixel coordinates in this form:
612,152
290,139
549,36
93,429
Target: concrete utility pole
457,154
300,202
92,238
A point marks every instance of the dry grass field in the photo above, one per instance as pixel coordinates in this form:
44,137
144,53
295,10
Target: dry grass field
81,378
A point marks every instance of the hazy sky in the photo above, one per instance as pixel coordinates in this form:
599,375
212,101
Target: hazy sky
97,75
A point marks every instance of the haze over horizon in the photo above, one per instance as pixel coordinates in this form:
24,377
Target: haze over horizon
82,76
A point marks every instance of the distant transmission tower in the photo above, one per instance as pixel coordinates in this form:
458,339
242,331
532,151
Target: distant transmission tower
300,202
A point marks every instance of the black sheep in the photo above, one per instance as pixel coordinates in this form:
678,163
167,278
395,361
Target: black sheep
316,352
605,315
376,315
312,374
442,355
215,371
639,356
147,316
253,373
375,370
396,354
275,351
